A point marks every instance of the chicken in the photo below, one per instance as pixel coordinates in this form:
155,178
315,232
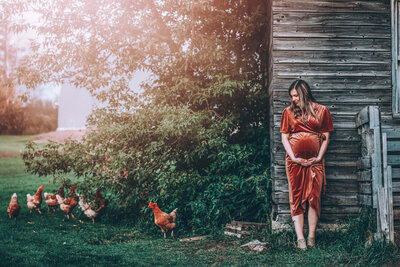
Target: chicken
89,209
163,220
51,199
13,207
68,204
35,201
102,202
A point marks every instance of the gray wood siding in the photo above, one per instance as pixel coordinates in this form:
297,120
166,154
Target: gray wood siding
343,50
393,151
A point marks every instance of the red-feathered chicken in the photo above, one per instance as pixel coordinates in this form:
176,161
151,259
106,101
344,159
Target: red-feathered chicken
13,207
89,209
163,220
68,204
100,201
51,199
35,201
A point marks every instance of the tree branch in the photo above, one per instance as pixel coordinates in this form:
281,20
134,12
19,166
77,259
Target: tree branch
164,30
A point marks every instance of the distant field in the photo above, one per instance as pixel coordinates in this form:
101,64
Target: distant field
13,143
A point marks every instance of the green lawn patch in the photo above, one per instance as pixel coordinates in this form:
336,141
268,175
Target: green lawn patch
13,143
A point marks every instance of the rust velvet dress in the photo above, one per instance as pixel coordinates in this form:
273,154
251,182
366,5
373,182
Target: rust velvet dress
306,183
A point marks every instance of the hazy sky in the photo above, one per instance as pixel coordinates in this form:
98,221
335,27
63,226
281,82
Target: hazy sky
21,41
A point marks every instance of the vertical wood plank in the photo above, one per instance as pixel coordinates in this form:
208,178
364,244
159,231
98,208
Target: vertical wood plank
395,49
376,157
390,204
382,213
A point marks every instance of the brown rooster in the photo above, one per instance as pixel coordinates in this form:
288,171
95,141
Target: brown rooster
13,207
35,201
51,199
68,204
163,220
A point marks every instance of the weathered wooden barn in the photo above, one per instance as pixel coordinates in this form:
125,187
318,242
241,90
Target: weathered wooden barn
348,52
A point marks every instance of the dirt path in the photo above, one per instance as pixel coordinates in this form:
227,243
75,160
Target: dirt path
9,154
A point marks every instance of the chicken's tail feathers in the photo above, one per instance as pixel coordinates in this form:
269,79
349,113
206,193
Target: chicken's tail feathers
173,214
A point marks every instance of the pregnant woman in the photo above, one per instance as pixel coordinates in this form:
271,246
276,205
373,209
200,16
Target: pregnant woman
305,128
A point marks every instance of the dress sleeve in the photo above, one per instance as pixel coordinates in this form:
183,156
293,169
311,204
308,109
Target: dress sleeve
326,121
285,127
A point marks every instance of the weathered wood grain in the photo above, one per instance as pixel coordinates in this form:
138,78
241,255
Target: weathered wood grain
341,218
396,200
347,108
389,200
365,188
325,209
330,70
326,31
396,215
394,160
334,157
339,199
337,137
392,133
334,57
334,147
330,44
342,96
330,18
343,163
365,200
396,172
332,6
362,117
393,146
332,173
330,84
395,55
365,175
333,186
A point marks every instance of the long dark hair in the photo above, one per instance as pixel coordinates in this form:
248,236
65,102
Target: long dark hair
305,107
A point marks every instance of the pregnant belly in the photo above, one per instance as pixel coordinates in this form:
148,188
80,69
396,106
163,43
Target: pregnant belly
305,145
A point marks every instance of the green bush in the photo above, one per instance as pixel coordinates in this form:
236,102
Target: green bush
181,159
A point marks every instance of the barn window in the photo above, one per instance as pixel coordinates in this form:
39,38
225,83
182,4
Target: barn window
395,5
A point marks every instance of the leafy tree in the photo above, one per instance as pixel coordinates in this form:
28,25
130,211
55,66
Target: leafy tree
196,137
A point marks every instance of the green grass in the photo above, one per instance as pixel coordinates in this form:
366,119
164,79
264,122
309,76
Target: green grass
48,240
13,143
